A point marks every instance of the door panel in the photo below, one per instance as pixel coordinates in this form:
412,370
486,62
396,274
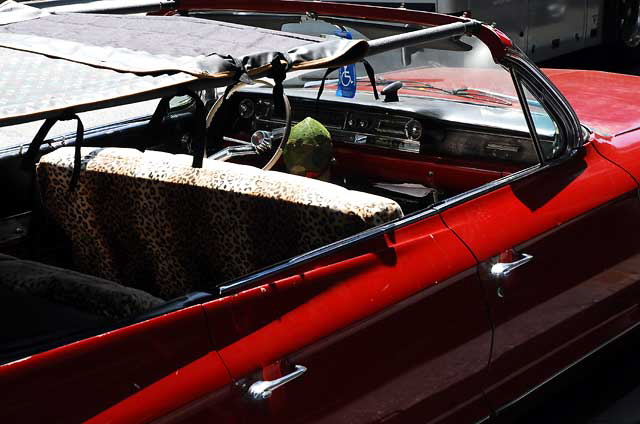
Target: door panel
579,223
75,382
395,334
581,284
178,397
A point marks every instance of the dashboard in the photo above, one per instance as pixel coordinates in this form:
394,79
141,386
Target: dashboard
416,151
416,126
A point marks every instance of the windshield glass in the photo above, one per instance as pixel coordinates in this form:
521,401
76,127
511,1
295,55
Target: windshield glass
435,69
458,70
461,69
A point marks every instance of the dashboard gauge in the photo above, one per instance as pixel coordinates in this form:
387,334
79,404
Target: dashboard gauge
246,108
263,109
413,130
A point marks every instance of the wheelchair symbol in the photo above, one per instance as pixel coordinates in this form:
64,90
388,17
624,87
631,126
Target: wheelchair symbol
345,77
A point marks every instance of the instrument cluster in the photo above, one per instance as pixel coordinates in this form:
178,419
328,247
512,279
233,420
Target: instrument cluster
352,127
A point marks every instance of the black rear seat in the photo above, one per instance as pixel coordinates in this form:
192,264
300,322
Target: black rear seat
85,293
43,305
31,321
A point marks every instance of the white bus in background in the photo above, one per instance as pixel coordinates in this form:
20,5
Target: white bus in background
544,28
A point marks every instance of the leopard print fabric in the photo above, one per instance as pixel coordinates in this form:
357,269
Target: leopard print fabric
149,220
83,292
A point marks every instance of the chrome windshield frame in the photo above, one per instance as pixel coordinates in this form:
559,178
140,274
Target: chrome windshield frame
550,98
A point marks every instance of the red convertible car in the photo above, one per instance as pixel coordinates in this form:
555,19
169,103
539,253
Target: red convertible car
293,211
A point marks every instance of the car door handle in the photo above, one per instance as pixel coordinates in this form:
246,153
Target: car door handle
264,389
503,269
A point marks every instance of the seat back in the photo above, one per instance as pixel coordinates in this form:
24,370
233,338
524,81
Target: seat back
149,220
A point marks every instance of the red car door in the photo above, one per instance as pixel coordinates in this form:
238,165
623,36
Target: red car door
560,264
394,329
74,382
397,332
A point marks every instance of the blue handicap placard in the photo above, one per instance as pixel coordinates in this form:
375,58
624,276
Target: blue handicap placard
346,74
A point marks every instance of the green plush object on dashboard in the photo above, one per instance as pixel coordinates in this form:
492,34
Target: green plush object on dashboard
308,150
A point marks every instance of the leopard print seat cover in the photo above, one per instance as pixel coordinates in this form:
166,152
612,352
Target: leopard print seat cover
151,221
82,292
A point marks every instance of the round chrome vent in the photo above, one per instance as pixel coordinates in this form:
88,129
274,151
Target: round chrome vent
413,130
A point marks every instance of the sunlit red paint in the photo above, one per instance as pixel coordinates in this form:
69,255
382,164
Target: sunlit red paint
395,328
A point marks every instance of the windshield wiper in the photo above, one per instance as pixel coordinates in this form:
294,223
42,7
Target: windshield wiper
476,93
470,93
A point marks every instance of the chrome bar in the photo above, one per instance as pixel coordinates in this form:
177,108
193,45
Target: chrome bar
234,151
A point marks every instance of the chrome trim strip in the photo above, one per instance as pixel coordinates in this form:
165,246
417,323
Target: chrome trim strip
14,228
551,98
245,282
533,132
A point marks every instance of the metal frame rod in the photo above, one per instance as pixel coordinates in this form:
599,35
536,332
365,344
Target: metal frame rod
422,36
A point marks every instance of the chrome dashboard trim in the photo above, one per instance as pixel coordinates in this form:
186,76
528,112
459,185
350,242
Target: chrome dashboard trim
360,137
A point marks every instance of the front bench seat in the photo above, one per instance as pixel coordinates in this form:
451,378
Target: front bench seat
149,220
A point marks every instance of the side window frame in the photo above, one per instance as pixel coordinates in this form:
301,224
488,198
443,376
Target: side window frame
517,82
551,100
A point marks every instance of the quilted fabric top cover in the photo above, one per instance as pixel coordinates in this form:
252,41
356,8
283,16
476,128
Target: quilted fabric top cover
132,58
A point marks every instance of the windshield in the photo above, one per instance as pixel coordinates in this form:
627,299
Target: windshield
461,69
456,70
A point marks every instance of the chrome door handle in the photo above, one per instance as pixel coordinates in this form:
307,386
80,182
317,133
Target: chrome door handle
503,269
264,389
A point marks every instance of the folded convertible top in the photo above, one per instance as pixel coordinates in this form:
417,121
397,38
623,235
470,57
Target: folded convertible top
54,64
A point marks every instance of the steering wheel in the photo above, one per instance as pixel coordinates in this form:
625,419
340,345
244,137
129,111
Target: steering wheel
261,141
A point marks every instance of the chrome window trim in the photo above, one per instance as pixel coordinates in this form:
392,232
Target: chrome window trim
550,97
242,283
533,132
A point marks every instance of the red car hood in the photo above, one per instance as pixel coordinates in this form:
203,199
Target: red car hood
608,103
